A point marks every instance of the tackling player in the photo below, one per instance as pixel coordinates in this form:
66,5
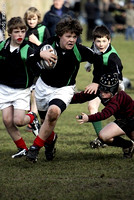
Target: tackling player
118,104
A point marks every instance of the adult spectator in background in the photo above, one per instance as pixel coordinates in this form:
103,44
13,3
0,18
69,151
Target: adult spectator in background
129,33
107,18
117,10
91,10
2,26
77,7
1,36
57,11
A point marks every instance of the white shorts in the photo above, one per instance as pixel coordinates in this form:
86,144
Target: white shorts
18,98
44,94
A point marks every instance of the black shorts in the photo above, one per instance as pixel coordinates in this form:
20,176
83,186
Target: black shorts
127,124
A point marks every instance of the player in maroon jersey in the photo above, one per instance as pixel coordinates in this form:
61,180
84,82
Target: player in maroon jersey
117,103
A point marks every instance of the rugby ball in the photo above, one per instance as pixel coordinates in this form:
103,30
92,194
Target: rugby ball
44,63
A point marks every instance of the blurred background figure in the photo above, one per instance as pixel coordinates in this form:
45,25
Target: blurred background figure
74,5
129,33
107,16
117,10
57,11
2,25
91,10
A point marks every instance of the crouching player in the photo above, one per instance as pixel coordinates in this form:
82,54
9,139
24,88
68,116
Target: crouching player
118,104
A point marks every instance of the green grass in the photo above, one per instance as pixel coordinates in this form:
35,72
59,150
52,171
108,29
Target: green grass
77,172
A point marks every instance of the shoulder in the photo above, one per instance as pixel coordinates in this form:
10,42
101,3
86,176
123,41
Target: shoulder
26,48
111,54
5,43
81,46
50,11
120,96
40,25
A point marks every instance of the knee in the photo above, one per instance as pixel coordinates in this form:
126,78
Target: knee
18,122
92,108
53,113
103,137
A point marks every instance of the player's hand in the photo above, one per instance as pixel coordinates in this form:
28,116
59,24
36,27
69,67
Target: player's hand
34,39
91,88
83,118
48,56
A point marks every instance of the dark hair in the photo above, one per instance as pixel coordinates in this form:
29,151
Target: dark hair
101,31
68,24
14,23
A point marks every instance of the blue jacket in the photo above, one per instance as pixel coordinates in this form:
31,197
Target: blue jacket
51,18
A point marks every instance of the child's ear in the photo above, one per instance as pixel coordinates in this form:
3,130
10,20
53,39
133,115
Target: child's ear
110,40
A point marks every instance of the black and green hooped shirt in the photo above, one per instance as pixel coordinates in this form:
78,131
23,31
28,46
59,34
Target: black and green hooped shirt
65,72
14,70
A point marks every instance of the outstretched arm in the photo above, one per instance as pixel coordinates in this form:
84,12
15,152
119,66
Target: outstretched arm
82,97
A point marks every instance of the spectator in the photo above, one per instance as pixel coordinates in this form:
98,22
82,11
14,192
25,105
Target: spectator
55,14
2,26
129,33
108,19
91,10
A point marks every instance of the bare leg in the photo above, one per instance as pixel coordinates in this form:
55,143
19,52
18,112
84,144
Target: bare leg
110,131
8,120
49,123
11,118
46,131
33,103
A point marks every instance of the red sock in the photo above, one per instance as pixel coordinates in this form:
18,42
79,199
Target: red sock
38,142
31,118
21,144
50,138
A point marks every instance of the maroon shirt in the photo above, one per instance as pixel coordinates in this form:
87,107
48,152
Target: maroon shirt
121,106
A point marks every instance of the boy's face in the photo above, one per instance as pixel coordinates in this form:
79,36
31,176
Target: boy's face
105,95
102,43
68,40
17,36
32,21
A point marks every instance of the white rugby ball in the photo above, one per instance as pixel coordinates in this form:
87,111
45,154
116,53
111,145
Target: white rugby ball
44,63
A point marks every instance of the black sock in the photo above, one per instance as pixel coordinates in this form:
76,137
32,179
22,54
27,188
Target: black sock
120,142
